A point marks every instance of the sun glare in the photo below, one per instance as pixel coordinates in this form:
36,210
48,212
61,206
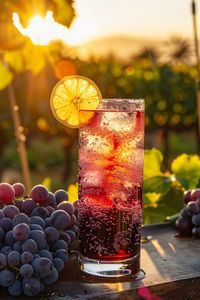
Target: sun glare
41,30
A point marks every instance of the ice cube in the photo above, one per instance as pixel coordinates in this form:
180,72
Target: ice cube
98,144
93,178
119,122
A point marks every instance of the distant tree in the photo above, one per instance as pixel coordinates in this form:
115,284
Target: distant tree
149,52
178,50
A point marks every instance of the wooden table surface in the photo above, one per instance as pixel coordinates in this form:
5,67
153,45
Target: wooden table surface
171,265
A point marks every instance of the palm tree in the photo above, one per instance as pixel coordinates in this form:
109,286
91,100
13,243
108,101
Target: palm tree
178,50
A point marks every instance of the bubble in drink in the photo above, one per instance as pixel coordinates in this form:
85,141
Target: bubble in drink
97,143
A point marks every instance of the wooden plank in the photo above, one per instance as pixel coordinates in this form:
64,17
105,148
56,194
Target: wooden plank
171,264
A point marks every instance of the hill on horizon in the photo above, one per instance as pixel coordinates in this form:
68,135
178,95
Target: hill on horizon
122,47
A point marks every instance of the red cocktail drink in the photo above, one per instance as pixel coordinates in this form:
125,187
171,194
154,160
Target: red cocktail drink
110,188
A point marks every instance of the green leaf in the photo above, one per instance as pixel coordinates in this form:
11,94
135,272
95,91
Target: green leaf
14,59
158,184
5,77
169,205
187,170
152,163
64,12
154,215
150,198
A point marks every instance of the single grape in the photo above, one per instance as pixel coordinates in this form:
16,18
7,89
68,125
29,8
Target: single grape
42,266
76,204
1,214
73,221
192,208
17,246
184,225
9,239
26,257
32,286
66,237
18,203
196,220
58,264
72,235
6,224
2,234
45,253
26,271
51,200
37,220
47,222
187,196
59,244
39,237
50,209
36,227
39,193
75,228
195,194
20,218
21,232
6,278
52,234
6,250
52,278
61,196
196,231
14,258
7,193
60,219
15,289
29,245
67,206
19,189
28,206
10,211
40,211
184,213
3,261
62,254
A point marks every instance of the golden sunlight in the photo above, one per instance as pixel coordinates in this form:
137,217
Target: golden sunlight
41,30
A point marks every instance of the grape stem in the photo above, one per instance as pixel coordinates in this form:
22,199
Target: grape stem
14,268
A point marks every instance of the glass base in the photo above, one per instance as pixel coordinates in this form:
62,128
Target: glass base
111,269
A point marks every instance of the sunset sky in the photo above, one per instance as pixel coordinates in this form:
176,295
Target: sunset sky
146,18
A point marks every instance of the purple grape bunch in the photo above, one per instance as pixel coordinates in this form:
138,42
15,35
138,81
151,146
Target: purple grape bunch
36,235
188,222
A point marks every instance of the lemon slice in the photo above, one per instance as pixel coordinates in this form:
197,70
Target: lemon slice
73,100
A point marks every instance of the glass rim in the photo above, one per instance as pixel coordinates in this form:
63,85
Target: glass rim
131,100
119,104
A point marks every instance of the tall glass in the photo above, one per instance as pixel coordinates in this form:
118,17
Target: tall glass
110,188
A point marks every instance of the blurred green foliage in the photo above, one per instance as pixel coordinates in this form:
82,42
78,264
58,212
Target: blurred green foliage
168,90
